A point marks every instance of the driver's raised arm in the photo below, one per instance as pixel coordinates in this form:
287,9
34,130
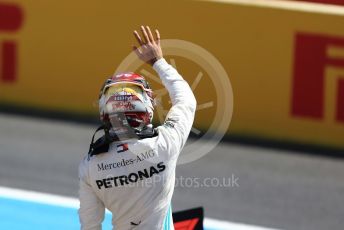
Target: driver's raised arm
178,123
180,118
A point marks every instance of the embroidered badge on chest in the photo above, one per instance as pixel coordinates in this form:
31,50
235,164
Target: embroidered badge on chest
122,148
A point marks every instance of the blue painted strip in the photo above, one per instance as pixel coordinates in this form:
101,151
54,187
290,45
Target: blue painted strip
20,209
19,214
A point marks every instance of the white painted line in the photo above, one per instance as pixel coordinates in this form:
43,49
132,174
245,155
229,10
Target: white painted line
71,202
39,197
226,225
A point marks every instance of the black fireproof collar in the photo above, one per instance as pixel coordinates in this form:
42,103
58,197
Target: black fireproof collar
102,144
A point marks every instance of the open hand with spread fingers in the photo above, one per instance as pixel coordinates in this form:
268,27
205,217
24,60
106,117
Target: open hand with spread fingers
149,50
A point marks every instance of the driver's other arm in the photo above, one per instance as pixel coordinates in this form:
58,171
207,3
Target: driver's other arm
180,118
91,211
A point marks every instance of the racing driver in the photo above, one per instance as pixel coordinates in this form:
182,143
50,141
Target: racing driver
130,170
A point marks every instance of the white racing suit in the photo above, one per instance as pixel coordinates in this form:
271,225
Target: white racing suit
135,178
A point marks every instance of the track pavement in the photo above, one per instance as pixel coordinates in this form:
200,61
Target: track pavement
274,188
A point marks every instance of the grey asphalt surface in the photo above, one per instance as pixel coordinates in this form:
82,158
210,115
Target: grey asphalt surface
275,188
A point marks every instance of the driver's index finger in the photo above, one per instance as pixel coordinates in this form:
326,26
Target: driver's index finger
138,38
